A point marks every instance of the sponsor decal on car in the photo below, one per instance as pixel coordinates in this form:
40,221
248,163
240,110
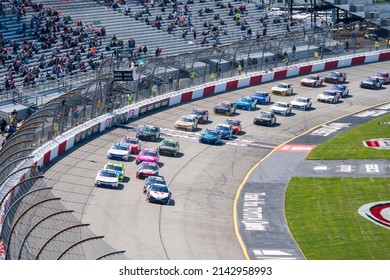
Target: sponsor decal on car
381,143
377,212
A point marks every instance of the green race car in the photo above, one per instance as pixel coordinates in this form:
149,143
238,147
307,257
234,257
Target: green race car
169,147
118,168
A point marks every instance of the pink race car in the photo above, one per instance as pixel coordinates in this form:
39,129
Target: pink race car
133,142
147,155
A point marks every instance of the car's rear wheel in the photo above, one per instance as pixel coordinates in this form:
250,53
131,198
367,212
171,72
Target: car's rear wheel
227,113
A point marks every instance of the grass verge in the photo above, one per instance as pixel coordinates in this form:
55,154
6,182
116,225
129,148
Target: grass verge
349,145
322,214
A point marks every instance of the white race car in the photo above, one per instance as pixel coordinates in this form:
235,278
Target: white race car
107,177
312,80
282,108
302,103
121,151
329,96
158,193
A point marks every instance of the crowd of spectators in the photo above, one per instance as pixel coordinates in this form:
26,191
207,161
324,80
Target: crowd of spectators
53,46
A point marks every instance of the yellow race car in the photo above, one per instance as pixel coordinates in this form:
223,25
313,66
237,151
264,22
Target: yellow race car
282,89
118,168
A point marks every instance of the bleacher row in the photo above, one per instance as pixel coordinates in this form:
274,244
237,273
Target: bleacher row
112,16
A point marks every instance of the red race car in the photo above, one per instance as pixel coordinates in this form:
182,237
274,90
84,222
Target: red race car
236,124
133,142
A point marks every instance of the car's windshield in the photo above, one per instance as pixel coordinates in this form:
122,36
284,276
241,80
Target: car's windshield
196,111
278,104
332,93
130,141
149,153
232,122
169,144
212,133
245,99
158,188
121,147
114,167
152,180
149,129
108,173
222,104
261,94
300,99
334,74
282,86
311,78
186,119
222,127
265,114
382,74
149,166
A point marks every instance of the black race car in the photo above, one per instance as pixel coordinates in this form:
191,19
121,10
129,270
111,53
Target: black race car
148,133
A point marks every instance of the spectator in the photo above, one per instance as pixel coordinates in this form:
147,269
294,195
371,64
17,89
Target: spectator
145,50
3,126
347,45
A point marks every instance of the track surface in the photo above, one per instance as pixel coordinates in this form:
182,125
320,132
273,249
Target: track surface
203,179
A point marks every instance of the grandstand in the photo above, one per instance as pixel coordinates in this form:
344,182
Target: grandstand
52,46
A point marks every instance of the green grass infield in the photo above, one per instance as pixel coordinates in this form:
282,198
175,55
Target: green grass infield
322,214
349,145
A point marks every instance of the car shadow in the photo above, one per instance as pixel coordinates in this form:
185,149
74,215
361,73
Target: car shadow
347,96
126,179
119,188
160,164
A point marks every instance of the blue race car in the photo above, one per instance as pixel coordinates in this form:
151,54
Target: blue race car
261,97
342,89
246,103
225,129
211,136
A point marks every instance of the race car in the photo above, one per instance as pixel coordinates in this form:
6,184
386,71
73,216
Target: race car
282,89
282,108
246,103
225,107
379,80
148,133
336,77
107,178
265,118
119,151
153,180
225,129
342,89
384,76
236,125
148,155
169,147
117,167
146,169
158,193
261,97
312,80
370,83
211,136
301,103
188,122
133,142
329,96
203,115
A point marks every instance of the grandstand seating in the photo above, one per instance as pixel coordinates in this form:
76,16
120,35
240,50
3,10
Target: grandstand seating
115,22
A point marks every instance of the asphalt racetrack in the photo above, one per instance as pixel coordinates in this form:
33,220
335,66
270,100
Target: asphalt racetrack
198,223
